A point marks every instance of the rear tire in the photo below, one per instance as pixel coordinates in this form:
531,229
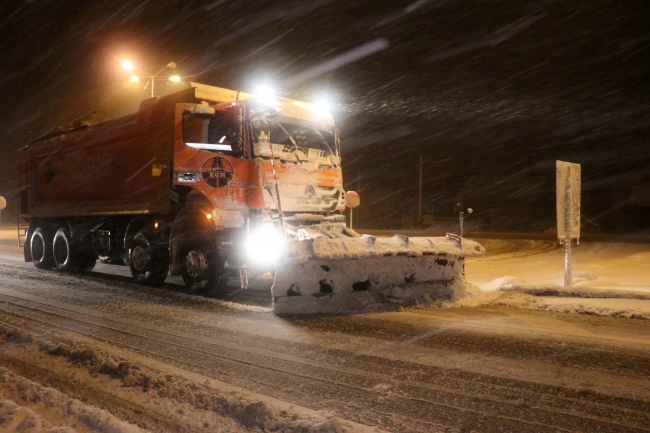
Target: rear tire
148,262
40,244
202,269
66,256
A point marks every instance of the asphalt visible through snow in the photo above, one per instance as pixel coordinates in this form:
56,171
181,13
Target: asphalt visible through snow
455,369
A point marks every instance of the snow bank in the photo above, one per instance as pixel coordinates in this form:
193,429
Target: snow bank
14,418
610,279
66,407
573,291
612,307
175,392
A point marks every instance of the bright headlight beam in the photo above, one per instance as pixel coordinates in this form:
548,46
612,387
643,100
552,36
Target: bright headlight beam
265,245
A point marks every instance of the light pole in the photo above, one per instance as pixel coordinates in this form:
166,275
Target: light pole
128,66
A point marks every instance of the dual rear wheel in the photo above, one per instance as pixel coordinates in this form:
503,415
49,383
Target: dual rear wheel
55,248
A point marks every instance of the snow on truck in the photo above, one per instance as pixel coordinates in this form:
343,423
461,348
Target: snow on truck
210,183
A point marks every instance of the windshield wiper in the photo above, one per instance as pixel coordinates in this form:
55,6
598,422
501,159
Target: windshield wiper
293,142
325,142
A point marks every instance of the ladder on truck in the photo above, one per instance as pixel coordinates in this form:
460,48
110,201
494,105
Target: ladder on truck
21,225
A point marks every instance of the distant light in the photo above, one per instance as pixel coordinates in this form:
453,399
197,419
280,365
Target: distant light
175,78
134,78
233,103
155,225
208,216
127,66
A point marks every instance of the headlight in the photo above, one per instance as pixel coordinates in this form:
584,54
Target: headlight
265,245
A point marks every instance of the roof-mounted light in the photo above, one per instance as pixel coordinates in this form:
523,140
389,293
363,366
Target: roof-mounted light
265,95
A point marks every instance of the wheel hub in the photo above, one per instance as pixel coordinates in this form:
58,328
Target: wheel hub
196,264
140,258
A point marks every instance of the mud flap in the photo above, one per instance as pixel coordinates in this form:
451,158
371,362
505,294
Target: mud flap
345,275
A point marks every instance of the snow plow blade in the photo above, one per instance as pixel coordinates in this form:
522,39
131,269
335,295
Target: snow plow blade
338,271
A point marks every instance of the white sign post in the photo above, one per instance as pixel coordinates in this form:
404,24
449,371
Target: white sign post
568,177
3,204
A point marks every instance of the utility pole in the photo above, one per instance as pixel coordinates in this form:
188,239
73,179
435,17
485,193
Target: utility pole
420,195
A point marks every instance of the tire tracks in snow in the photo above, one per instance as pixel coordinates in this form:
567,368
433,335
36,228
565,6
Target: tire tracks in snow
270,372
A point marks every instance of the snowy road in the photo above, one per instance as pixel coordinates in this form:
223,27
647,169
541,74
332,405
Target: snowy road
456,369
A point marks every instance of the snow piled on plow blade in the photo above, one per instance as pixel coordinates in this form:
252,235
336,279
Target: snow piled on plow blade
364,274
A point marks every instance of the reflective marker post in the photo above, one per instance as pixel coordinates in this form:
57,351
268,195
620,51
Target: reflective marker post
568,185
567,241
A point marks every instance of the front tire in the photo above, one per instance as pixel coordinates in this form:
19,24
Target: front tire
148,262
203,270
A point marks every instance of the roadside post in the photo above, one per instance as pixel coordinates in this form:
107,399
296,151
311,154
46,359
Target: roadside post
461,220
568,186
3,204
352,200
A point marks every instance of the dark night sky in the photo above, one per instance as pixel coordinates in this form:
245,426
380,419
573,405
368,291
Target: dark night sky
490,92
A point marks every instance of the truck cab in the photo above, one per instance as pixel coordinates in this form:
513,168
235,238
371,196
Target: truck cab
259,170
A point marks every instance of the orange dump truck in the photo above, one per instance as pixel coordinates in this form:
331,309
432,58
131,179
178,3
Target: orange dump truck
206,183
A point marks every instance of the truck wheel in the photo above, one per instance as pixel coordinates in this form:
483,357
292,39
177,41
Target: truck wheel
66,257
41,248
149,263
202,269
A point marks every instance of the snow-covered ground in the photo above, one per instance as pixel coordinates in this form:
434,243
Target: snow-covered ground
608,279
190,363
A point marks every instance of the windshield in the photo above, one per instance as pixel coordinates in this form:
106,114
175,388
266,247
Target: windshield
304,138
218,133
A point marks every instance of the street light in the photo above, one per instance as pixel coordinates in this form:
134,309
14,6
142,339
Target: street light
128,66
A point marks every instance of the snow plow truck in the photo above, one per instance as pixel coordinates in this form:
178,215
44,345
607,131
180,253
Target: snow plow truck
210,183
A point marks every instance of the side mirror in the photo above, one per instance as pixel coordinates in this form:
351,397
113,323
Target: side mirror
352,199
